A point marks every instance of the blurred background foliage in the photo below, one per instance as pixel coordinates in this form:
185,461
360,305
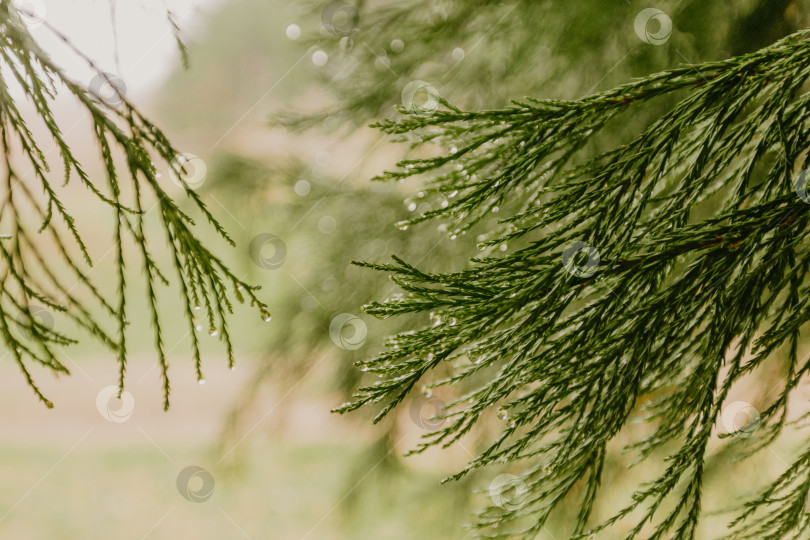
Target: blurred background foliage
289,153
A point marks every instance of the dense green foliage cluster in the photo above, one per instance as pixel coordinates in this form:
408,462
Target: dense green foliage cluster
664,304
667,307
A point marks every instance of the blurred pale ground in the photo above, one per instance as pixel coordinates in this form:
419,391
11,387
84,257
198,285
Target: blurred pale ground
70,474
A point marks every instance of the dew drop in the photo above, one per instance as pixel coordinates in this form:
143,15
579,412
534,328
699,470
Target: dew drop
382,63
200,381
293,31
319,58
503,414
212,332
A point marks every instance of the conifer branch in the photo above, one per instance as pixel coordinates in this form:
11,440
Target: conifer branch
604,293
132,191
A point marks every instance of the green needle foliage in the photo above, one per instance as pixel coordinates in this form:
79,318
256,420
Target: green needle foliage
694,235
34,268
485,52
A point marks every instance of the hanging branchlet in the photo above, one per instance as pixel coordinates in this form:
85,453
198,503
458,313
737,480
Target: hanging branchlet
606,286
31,275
